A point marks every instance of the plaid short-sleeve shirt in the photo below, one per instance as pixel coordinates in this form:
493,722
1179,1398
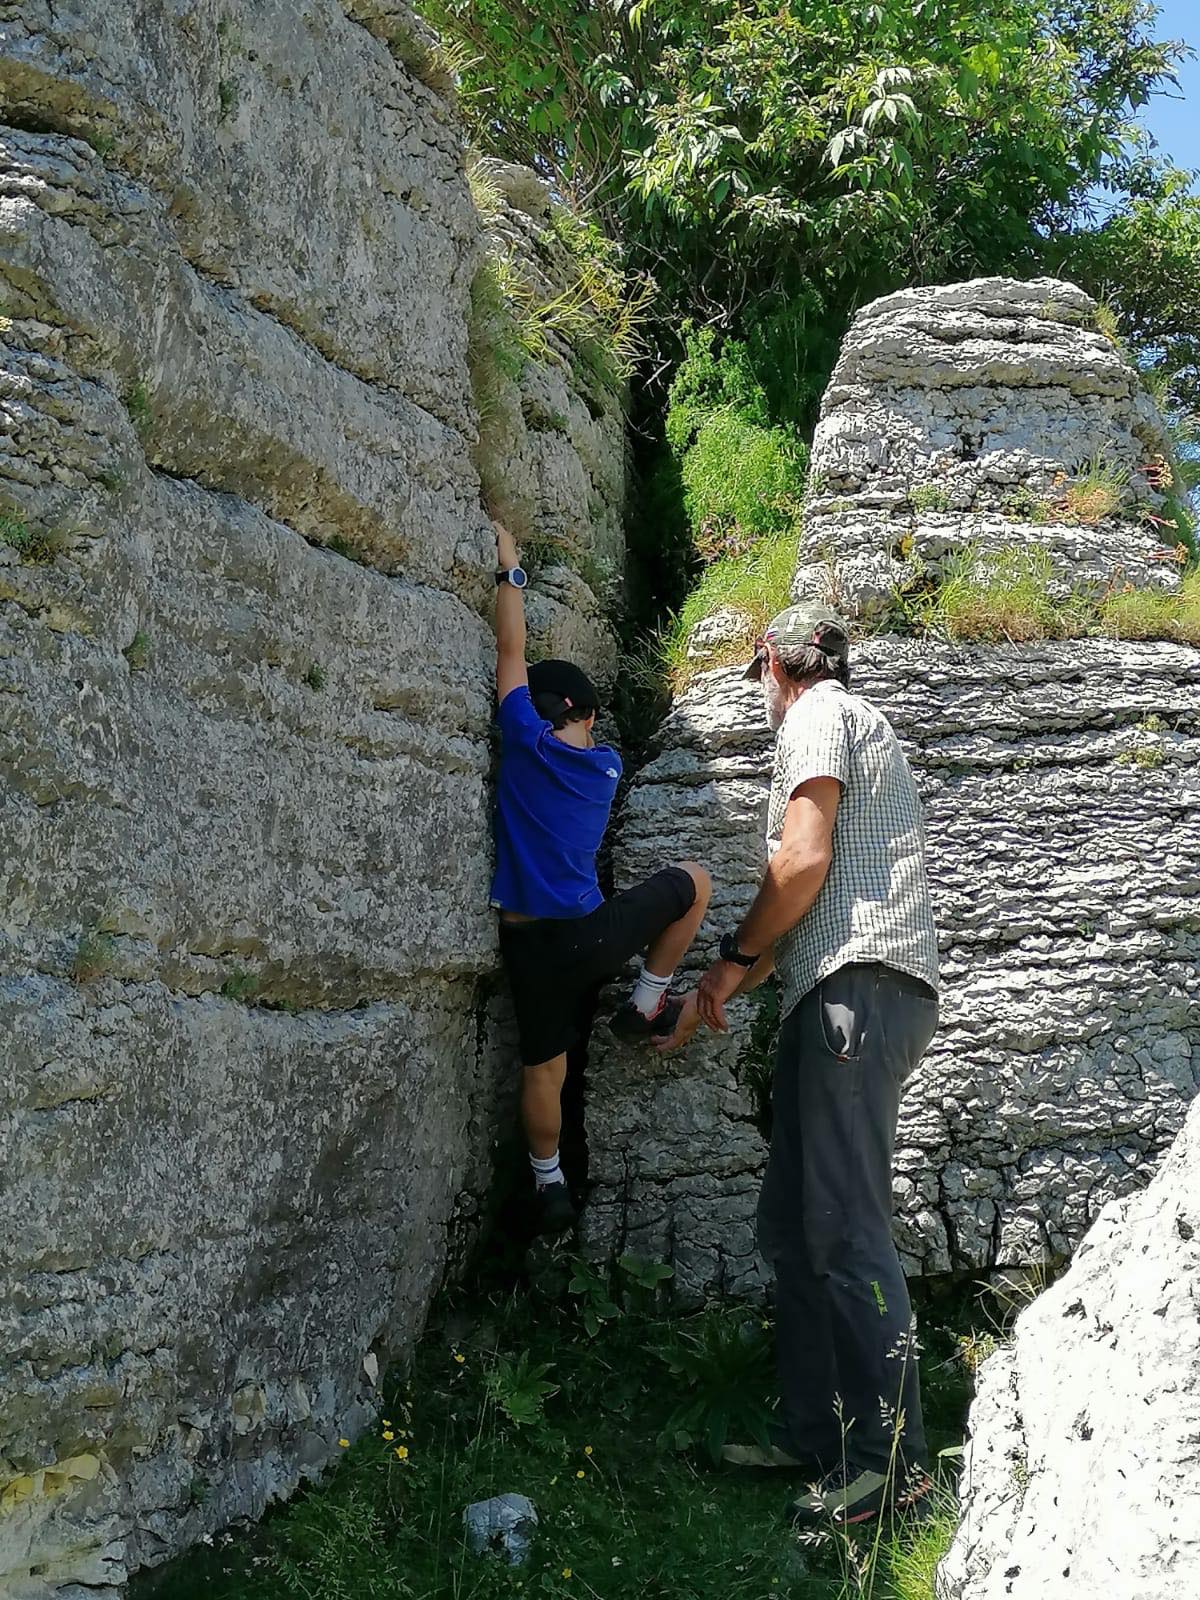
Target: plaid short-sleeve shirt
874,904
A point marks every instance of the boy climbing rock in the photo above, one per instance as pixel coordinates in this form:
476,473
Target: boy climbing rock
559,937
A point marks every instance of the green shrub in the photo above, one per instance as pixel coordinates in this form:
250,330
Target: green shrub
723,1365
740,481
708,381
929,497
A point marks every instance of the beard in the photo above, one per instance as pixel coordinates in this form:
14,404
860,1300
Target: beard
774,705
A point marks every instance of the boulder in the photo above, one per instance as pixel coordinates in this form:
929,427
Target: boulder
1082,1473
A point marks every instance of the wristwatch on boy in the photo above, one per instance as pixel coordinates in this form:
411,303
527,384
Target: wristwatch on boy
728,950
517,576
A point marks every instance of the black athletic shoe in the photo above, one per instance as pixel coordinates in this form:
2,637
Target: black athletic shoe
851,1494
554,1210
628,1023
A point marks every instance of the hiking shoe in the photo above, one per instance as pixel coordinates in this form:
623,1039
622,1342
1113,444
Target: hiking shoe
852,1494
628,1023
555,1212
772,1458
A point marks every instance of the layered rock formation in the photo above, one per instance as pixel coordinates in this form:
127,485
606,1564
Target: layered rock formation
1062,790
1083,1467
251,1040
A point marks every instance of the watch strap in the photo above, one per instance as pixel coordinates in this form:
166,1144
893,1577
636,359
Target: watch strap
729,952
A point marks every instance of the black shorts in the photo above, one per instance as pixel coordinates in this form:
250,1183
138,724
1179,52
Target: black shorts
555,963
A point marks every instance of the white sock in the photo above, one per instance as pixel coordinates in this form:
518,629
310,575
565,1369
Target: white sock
546,1170
648,992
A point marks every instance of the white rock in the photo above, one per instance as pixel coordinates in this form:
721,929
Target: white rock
1082,1474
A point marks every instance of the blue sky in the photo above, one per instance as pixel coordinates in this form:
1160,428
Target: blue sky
1175,122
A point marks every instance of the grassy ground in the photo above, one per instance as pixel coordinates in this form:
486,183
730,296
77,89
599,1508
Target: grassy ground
606,1432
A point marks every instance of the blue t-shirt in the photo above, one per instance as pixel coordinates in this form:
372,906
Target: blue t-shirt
552,807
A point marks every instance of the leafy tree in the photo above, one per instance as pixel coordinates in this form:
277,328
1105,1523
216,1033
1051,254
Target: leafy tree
1145,261
762,150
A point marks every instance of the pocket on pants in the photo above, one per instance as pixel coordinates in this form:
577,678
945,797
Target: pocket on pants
844,1005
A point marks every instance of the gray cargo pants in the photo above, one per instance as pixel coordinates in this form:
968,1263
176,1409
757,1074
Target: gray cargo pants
843,1319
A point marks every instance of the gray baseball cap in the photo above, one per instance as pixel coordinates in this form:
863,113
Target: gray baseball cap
807,622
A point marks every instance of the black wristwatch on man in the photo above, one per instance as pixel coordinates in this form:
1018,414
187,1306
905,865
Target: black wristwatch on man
516,576
728,951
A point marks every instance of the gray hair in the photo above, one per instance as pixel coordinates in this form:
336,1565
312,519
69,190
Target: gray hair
808,663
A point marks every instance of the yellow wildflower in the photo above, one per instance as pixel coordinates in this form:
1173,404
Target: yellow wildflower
581,1473
402,1452
459,1358
345,1443
388,1435
587,1449
566,1572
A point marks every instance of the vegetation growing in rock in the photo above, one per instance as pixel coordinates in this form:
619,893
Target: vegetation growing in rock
929,497
36,545
94,955
137,652
241,986
745,590
138,405
1013,595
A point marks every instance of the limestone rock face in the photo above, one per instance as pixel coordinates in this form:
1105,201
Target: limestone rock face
253,1052
1061,782
963,415
1083,1468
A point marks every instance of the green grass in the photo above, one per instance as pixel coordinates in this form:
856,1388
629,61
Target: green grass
513,1394
1007,596
740,481
756,586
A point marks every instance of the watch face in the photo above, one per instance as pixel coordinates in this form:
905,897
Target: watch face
518,577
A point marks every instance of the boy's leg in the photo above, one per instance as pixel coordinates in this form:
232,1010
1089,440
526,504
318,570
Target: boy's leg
661,916
674,942
541,1105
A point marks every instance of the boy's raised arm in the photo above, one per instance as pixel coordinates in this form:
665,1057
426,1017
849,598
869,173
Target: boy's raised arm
510,620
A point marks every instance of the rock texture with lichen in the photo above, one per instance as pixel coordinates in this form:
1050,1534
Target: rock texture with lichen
1061,781
252,1044
1082,1473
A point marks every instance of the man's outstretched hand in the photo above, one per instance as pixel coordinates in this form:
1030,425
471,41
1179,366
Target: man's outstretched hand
720,983
506,548
685,1027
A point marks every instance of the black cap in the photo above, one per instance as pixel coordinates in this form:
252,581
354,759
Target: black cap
564,679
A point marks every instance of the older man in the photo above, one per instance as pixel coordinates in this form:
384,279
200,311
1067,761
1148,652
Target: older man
843,915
